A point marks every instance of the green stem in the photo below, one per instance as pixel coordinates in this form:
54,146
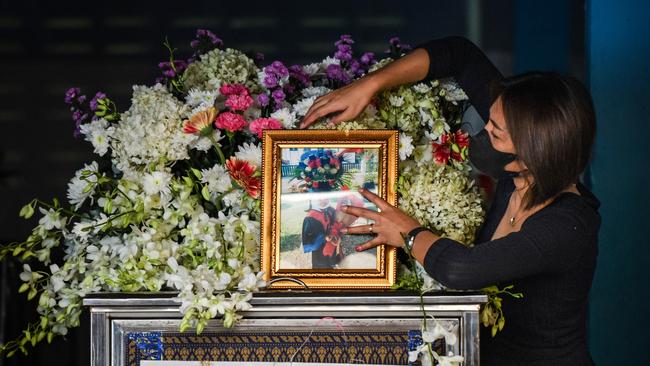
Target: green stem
217,148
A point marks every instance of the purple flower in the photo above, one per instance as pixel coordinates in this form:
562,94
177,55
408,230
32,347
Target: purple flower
93,102
394,41
79,116
298,73
72,94
279,69
270,81
346,39
204,34
367,58
335,72
278,95
343,53
170,72
263,100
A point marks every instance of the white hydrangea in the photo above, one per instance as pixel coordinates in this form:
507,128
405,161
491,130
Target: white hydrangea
396,100
219,67
443,198
150,132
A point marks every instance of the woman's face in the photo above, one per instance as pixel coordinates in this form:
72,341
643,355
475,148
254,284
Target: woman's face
500,137
498,130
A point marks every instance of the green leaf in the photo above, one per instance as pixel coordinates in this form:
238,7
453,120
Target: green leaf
197,173
17,251
27,211
205,193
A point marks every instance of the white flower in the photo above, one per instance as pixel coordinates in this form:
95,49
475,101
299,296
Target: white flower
82,229
82,186
156,182
201,99
405,146
422,88
27,275
98,133
396,101
312,68
303,105
217,179
251,153
150,133
251,281
204,143
330,61
286,117
315,91
51,219
438,331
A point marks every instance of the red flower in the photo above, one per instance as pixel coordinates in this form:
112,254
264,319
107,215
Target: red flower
441,153
315,184
243,173
452,146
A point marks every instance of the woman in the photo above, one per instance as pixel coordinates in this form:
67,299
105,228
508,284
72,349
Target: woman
541,231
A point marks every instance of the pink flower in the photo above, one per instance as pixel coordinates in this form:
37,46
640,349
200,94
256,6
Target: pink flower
239,102
233,89
230,121
261,124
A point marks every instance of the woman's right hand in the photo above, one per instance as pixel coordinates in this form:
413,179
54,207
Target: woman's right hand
344,103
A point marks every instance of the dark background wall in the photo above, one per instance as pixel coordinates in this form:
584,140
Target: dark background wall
46,47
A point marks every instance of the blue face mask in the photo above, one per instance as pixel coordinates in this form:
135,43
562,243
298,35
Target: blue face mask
487,159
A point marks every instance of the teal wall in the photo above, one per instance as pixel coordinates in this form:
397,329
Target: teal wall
617,58
618,64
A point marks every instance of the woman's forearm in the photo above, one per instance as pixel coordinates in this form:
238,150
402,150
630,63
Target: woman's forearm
408,69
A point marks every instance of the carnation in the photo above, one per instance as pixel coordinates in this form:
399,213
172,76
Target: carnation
259,125
232,122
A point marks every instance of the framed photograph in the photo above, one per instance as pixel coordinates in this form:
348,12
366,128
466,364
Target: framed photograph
307,176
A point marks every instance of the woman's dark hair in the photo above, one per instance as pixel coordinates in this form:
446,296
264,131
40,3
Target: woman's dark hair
552,124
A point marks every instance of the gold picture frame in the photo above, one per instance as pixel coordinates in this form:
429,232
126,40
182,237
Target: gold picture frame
307,175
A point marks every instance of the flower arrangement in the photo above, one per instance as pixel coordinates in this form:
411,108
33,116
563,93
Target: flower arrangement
172,200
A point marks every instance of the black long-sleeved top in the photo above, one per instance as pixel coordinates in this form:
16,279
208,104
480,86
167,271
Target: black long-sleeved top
551,260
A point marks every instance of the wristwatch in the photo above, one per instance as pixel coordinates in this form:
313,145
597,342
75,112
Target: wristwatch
410,237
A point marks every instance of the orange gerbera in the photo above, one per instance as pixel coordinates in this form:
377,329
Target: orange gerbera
201,122
244,174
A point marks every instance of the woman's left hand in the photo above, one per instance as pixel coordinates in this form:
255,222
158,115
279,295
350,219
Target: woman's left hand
390,224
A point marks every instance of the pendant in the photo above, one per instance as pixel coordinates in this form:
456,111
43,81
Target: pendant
512,221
